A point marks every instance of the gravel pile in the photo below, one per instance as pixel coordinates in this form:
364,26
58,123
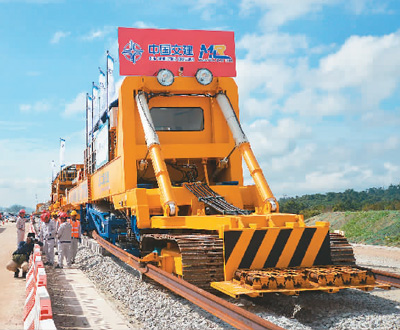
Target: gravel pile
157,308
141,300
347,309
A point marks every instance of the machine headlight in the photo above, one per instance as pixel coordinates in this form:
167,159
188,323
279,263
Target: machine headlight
165,77
204,76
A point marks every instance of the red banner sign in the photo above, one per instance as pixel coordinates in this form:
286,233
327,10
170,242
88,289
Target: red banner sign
143,52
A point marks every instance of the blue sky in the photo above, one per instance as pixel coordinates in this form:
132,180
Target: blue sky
319,85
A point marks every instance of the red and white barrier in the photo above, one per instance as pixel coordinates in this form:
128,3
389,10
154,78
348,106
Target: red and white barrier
31,228
37,311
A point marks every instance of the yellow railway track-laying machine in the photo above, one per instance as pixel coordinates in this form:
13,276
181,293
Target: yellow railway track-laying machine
170,189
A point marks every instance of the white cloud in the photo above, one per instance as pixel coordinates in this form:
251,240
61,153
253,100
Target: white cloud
360,7
26,170
143,25
381,118
77,106
13,126
346,176
335,135
39,106
271,77
33,1
99,33
260,46
299,157
255,107
58,36
392,143
356,78
19,183
280,12
361,62
392,174
268,139
202,4
25,107
208,9
310,102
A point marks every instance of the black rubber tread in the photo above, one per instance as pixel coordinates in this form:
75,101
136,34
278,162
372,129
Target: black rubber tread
202,257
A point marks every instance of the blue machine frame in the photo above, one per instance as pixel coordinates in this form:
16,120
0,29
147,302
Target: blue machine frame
107,225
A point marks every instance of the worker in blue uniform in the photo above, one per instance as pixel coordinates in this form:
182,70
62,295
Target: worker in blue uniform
20,257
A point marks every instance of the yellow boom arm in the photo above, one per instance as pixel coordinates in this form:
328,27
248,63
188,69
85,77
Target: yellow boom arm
244,146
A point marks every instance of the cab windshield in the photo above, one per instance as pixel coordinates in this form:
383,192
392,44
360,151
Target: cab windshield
177,119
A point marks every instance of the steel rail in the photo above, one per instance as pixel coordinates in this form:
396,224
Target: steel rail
387,278
227,312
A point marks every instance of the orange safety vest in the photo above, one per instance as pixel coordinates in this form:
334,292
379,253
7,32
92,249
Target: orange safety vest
75,228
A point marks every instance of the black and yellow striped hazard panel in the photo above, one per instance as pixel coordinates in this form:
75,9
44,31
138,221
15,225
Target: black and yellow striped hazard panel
276,247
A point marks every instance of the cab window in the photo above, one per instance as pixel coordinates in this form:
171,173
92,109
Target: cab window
178,119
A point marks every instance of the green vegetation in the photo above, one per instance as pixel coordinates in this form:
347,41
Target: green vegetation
370,217
15,209
350,200
367,227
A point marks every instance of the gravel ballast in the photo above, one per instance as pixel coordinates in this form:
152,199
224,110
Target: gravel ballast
155,307
140,300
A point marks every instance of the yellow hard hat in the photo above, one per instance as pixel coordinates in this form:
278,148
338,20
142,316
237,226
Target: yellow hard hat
73,213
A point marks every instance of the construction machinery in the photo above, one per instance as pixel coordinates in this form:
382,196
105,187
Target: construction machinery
169,187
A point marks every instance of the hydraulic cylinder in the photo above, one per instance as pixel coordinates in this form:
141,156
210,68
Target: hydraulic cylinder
159,166
244,146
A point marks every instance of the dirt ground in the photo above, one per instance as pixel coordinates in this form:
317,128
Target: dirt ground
12,292
379,257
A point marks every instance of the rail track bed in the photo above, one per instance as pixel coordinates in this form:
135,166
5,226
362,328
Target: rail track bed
156,307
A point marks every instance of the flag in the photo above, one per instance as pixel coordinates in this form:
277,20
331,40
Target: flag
53,170
96,105
62,150
102,92
110,80
89,118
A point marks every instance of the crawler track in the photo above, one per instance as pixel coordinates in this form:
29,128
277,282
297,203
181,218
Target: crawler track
341,251
202,257
229,313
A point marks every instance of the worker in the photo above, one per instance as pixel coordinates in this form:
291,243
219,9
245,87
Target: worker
20,226
20,257
40,231
58,223
75,234
49,234
32,228
64,240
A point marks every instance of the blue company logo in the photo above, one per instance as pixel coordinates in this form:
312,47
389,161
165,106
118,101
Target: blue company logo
132,52
213,53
